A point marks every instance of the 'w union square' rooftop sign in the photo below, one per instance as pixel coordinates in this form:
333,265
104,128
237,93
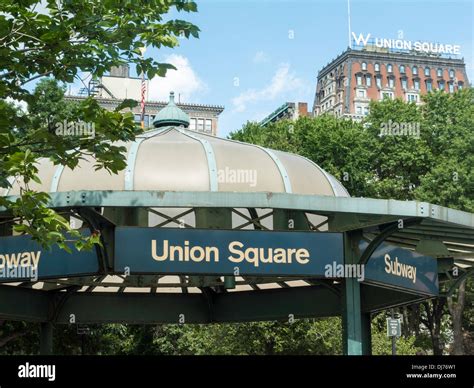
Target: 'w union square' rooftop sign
406,45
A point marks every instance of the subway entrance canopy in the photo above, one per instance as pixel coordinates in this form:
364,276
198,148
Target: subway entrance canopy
199,229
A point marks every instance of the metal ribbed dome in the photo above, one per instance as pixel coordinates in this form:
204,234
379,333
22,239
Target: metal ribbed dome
177,159
171,115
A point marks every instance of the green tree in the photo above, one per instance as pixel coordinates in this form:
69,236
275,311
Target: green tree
433,161
61,39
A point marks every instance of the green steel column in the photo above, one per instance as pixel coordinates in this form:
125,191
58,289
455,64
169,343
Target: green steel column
354,342
289,220
366,321
215,218
46,338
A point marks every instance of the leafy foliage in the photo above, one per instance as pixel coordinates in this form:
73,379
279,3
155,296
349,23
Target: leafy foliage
60,40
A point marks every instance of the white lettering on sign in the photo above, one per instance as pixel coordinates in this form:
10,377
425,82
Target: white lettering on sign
400,269
20,265
238,253
20,259
401,44
184,253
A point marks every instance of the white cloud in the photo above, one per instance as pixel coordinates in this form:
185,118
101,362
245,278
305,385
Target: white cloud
22,105
283,82
183,81
260,57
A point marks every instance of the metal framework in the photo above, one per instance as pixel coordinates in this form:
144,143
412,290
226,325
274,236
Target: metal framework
108,296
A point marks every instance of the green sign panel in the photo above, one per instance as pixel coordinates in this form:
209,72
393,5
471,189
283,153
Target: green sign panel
225,252
394,327
401,268
21,258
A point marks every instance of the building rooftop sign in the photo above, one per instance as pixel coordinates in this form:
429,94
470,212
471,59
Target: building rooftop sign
367,42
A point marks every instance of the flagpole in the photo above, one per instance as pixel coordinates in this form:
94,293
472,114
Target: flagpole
349,22
143,92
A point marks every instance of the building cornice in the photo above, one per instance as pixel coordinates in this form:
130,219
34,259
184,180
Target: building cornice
156,104
387,57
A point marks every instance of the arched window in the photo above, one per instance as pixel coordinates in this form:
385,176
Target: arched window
368,80
429,85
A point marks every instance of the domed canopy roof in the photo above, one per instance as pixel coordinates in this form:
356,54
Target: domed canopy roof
177,159
171,115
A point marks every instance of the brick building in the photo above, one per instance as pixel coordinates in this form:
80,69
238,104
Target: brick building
347,84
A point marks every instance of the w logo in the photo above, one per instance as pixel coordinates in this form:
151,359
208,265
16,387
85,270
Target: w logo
360,40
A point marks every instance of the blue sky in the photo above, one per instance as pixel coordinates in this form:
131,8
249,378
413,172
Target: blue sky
253,56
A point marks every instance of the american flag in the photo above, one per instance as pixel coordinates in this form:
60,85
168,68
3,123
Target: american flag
143,91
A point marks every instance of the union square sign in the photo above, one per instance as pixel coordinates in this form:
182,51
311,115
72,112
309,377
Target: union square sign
406,45
141,250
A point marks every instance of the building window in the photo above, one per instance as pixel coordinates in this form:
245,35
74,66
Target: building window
200,125
427,71
378,81
208,125
412,97
388,95
359,79
192,125
451,87
414,70
391,82
404,83
451,73
439,72
429,86
402,69
366,110
361,93
389,68
359,110
368,80
377,67
416,84
441,85
364,65
460,85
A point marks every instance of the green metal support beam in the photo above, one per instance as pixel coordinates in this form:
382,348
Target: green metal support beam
322,204
353,338
24,304
366,328
137,308
374,298
382,236
215,218
285,219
